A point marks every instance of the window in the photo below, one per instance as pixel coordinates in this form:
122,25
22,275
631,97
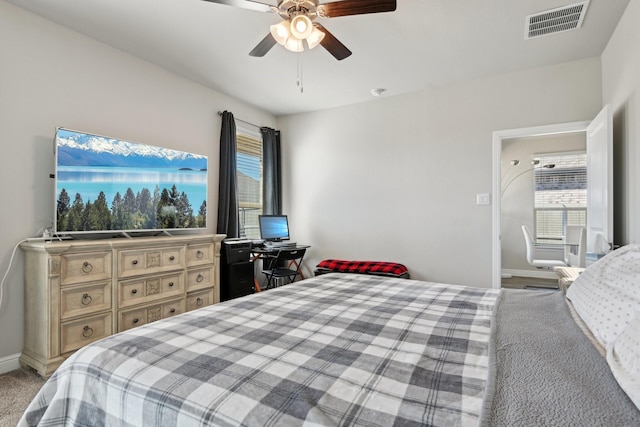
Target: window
249,169
560,195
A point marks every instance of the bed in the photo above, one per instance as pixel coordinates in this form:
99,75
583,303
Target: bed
361,350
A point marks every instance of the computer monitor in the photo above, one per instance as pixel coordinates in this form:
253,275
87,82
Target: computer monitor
273,228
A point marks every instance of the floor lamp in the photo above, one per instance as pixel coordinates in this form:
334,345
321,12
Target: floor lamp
535,164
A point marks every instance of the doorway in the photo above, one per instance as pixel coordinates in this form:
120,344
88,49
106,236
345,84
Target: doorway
544,187
599,147
502,139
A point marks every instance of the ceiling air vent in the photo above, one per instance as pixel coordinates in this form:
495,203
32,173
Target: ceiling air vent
554,21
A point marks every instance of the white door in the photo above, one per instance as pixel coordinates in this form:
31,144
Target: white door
600,182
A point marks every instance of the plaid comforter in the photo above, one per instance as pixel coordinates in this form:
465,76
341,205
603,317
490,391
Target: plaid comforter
337,349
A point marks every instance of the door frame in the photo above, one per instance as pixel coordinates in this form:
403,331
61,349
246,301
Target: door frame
498,137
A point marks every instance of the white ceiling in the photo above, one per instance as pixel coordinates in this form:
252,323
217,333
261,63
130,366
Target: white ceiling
423,44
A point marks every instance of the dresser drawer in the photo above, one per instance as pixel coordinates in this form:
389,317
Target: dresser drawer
148,289
148,261
141,316
200,299
85,267
200,254
84,300
78,333
200,278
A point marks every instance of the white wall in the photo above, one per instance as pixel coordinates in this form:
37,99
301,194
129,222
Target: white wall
396,178
621,89
517,200
50,76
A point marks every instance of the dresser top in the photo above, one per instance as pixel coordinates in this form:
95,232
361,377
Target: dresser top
65,245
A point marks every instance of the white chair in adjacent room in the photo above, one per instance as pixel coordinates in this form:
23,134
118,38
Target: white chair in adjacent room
575,245
538,263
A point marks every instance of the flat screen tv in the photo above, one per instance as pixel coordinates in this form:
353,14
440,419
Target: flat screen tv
273,228
107,185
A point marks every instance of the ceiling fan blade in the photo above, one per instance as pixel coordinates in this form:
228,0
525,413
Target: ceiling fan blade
357,7
245,4
264,46
333,45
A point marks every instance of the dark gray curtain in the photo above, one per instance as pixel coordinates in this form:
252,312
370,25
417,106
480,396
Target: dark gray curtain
228,221
272,175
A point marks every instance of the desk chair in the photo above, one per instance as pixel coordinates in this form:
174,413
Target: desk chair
575,246
279,267
538,263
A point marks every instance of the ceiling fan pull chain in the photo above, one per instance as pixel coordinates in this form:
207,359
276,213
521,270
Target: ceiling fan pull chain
299,81
298,71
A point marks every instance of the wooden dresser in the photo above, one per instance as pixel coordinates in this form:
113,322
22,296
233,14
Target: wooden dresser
79,291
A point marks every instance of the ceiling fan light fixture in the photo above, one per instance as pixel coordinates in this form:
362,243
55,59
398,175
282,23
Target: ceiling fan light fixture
294,45
280,32
301,26
315,38
299,22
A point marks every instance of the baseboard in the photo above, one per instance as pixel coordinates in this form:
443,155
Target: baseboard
539,274
9,363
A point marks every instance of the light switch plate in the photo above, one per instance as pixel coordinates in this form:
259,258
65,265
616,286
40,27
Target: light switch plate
482,199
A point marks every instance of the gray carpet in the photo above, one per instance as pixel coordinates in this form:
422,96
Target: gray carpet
17,389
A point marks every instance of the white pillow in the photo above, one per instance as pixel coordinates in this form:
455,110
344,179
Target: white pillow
607,294
623,357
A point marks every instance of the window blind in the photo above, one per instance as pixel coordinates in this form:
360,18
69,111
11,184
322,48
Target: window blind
560,195
249,167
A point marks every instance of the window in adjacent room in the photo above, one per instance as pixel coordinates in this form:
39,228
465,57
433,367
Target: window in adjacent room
249,169
560,195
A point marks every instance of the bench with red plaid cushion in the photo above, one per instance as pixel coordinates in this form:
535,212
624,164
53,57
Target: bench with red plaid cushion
376,268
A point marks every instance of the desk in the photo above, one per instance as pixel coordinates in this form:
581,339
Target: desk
266,253
566,276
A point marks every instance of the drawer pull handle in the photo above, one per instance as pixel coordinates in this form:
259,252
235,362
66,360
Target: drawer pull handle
87,267
199,301
171,284
86,299
200,278
199,254
134,262
134,291
173,310
87,331
171,258
136,320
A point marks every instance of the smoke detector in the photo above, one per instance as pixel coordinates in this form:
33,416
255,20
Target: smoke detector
377,92
557,20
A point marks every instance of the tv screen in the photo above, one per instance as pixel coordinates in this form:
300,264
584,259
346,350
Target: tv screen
109,185
273,227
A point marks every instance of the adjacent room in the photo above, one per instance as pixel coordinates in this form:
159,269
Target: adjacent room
342,238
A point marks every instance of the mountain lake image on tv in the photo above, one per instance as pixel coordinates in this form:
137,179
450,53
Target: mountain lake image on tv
110,185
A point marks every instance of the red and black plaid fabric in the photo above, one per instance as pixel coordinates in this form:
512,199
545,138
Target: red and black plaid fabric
363,267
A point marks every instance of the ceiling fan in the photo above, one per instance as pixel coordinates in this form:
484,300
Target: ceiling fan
298,22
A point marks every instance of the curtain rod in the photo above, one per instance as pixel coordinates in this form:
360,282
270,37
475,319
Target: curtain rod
239,120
